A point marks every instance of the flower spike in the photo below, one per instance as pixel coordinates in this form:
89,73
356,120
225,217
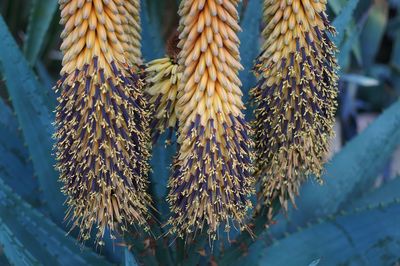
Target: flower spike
295,97
212,173
103,137
163,77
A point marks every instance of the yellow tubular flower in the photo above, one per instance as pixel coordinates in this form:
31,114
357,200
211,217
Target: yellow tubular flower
130,18
163,77
295,97
212,174
102,119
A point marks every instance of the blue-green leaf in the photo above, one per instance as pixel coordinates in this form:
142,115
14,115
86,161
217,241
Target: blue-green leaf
360,80
47,82
343,20
388,192
151,35
369,237
345,48
336,5
37,235
14,250
395,58
41,15
34,119
374,29
10,137
249,44
129,258
14,157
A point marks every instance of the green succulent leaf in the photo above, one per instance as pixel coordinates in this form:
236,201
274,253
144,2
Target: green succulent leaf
48,95
129,258
343,19
346,47
14,157
151,34
385,194
15,252
11,143
357,238
336,5
29,236
376,23
34,119
249,44
40,18
395,58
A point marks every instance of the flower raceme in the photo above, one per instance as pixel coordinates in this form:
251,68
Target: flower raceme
295,98
103,131
211,173
102,119
163,76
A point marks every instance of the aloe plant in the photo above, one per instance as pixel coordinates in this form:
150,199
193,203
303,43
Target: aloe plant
352,219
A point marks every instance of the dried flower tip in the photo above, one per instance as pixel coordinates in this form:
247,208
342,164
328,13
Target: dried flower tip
212,172
172,46
102,118
295,97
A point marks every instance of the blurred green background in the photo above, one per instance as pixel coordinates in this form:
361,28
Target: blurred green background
354,219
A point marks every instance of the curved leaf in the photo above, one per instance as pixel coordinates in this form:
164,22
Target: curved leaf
354,239
151,35
249,44
129,258
376,24
388,192
14,157
343,20
34,119
36,237
40,18
13,249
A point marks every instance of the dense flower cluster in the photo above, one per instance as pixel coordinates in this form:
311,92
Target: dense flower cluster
106,115
163,79
103,137
295,98
212,172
